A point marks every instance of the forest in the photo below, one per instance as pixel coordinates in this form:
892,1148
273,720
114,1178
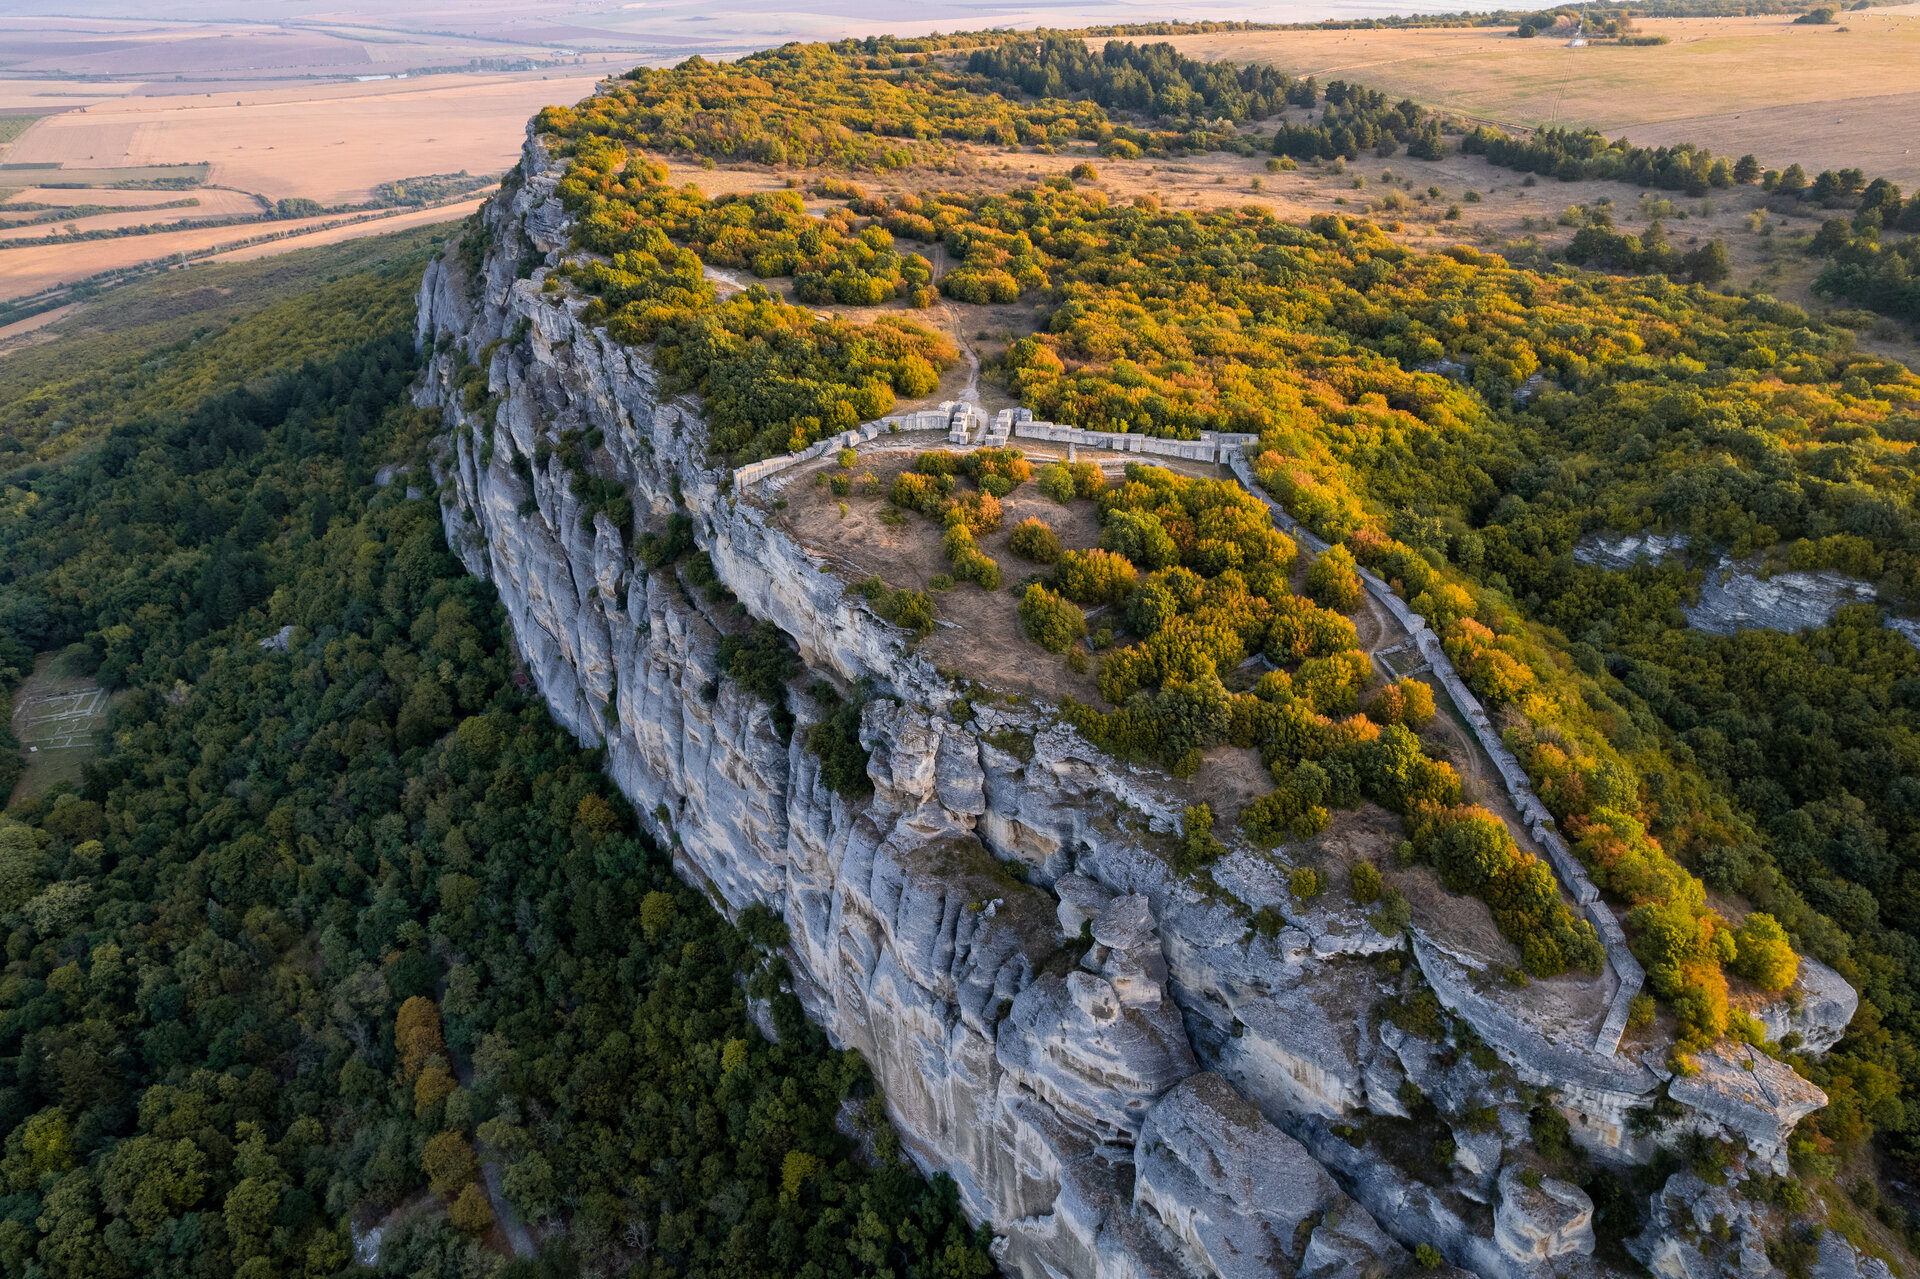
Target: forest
335,923
1457,424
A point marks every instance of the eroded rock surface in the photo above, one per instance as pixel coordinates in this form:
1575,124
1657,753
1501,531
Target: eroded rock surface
1539,1218
1734,598
1119,1072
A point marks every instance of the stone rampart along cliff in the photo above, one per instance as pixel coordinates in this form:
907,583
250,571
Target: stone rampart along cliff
1184,1095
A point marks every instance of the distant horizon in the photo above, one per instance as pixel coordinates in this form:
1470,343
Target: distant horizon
283,39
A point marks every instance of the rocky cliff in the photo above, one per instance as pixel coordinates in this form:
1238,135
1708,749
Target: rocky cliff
1186,1094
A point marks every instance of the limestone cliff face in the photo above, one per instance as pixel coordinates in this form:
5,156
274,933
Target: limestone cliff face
1173,1100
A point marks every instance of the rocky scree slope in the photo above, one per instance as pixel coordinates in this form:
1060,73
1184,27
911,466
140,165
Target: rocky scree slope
1185,1095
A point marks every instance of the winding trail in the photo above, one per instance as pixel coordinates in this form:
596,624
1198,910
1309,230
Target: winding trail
1532,815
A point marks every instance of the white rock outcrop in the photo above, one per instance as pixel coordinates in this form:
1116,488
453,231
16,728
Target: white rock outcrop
1157,1103
1746,1097
1539,1218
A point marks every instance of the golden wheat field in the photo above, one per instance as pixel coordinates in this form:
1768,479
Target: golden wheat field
1821,96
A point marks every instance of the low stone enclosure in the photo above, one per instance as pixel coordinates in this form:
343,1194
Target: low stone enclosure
966,429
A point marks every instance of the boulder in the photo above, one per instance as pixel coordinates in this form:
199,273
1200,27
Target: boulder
1081,901
1125,923
1235,1192
1817,1007
1685,1220
1749,1097
1540,1222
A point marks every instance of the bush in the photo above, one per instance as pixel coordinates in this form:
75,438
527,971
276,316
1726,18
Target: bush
1474,853
1056,483
1763,955
1640,1010
976,512
1296,809
1306,883
939,462
1094,577
1198,846
973,565
913,491
1366,883
1407,701
1033,539
1395,913
1007,465
910,610
836,740
1333,582
1050,621
1088,479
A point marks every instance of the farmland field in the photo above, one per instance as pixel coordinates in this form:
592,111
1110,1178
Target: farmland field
30,269
1822,96
332,143
86,175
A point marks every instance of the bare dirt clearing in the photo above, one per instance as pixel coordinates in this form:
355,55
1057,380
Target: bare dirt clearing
55,716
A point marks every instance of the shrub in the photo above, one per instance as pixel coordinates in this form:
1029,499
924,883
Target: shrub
1428,1257
1198,846
912,491
1395,913
1331,685
1033,539
1366,883
1301,629
1474,853
835,739
1094,577
1007,465
1763,956
470,1213
1050,621
976,512
1640,1011
939,462
1088,479
1084,172
1333,582
910,610
1296,809
972,565
1056,483
1407,701
1306,883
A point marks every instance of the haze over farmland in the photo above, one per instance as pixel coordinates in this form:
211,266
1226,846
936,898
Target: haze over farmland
283,102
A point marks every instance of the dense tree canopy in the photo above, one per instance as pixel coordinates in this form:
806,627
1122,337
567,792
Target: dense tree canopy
330,924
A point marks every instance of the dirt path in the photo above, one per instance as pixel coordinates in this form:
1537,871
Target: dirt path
509,1221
